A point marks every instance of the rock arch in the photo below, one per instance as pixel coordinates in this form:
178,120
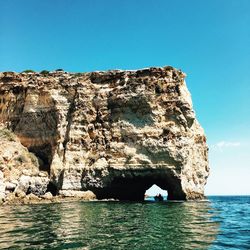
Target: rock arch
131,185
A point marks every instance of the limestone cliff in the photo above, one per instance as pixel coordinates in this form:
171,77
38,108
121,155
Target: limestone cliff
115,133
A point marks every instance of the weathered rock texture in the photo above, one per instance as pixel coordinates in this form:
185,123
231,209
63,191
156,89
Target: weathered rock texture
115,133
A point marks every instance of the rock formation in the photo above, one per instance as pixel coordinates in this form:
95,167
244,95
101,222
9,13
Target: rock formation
115,133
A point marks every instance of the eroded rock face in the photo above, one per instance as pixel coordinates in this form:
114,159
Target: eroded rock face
115,133
19,169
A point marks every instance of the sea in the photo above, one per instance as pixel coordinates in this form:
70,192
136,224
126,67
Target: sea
220,222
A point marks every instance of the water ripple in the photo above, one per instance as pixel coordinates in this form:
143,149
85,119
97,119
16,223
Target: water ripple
215,224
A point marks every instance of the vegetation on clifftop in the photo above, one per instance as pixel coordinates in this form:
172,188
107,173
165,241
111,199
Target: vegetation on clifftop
28,71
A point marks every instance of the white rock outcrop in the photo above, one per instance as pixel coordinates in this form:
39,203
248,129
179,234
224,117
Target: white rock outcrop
115,133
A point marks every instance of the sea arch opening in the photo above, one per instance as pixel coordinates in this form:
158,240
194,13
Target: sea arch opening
155,192
132,186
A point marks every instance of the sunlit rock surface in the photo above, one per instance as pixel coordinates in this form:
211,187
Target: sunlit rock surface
115,133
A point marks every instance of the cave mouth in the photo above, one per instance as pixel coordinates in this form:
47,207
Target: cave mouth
52,188
153,191
44,155
133,187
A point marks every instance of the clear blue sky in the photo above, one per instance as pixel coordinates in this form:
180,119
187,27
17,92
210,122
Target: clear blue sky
209,40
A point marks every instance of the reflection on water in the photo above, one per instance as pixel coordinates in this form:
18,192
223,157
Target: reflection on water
108,225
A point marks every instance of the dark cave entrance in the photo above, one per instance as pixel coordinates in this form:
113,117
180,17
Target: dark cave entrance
133,188
44,155
52,188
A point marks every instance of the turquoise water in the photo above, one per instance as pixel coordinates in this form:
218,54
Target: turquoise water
220,223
